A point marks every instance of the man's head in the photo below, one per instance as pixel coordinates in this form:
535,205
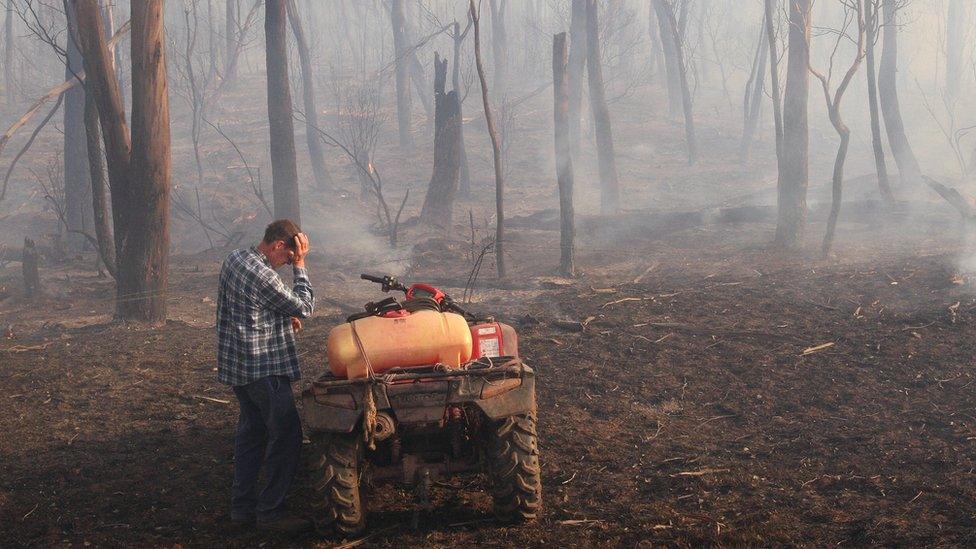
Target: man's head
278,244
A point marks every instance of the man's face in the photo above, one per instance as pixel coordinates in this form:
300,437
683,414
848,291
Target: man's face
280,254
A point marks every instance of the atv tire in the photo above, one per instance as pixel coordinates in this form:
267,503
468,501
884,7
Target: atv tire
337,482
513,461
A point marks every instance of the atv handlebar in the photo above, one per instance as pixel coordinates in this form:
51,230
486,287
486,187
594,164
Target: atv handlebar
388,282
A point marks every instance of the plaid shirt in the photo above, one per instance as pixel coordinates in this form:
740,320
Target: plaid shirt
254,310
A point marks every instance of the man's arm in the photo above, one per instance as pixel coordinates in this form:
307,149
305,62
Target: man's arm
300,300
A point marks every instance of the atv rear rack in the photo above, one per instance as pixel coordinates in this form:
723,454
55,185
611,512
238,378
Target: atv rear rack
509,367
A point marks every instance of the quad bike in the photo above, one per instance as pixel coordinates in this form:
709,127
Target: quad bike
419,389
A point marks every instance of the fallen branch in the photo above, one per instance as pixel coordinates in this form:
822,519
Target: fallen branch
700,472
817,348
30,141
211,399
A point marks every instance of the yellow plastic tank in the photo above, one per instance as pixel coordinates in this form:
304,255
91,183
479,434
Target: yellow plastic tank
424,337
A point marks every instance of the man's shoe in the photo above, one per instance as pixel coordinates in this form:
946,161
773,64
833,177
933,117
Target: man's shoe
291,525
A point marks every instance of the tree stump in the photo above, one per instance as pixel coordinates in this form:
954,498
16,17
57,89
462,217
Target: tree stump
32,280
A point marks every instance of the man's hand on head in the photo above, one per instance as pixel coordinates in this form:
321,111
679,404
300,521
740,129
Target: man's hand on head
301,250
296,324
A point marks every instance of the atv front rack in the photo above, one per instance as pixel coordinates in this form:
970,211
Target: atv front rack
506,367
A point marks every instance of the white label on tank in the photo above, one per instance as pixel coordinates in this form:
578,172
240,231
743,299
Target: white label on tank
489,347
486,331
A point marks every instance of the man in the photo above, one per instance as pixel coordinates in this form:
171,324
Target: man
257,316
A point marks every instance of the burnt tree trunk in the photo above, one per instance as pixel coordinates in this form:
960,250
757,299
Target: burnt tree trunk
609,186
794,160
564,157
770,14
144,262
77,179
871,23
499,48
577,63
669,45
667,13
316,152
99,200
32,278
403,98
230,40
908,167
284,168
654,35
464,178
496,152
8,54
752,99
438,205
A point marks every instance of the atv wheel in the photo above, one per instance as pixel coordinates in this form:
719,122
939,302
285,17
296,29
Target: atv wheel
337,483
513,459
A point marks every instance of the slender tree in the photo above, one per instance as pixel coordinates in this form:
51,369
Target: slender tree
752,99
499,47
402,67
957,23
901,150
284,166
77,178
670,45
670,26
794,160
609,185
837,121
871,25
770,21
316,153
495,145
8,54
464,181
577,63
230,40
564,157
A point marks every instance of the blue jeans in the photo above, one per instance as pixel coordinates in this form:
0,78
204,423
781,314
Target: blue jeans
269,434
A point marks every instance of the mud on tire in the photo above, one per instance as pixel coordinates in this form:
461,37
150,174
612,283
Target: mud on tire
336,481
513,461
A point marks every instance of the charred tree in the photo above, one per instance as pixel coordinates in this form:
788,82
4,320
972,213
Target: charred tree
29,261
908,167
794,160
96,167
315,151
403,99
564,157
770,21
837,121
77,179
609,185
872,24
496,152
284,167
230,40
666,14
8,54
138,170
669,46
144,262
438,205
499,48
464,178
752,99
577,63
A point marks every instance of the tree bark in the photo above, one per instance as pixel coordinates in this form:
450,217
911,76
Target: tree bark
881,166
316,152
609,185
77,178
230,40
284,167
794,161
752,99
499,48
8,54
438,205
495,146
144,262
96,166
666,14
888,92
770,14
564,157
464,181
669,45
402,74
577,63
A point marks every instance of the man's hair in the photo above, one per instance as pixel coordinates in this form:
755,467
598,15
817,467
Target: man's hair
282,229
